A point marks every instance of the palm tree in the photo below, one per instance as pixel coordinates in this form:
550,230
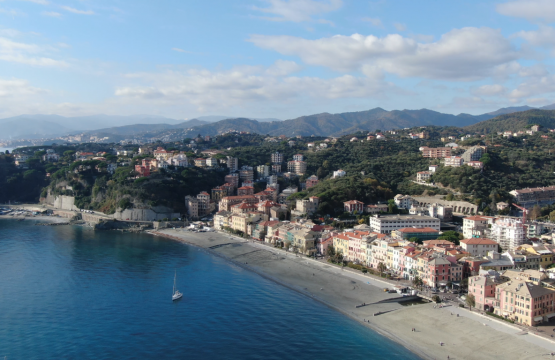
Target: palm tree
417,282
381,268
470,300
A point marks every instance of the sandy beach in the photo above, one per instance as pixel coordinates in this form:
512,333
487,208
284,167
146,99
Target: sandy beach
468,336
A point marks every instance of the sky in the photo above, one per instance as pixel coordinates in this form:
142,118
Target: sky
273,58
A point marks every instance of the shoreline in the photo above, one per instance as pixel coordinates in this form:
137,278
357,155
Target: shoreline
266,276
41,218
464,335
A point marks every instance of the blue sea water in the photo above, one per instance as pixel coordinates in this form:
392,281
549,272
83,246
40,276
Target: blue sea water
68,292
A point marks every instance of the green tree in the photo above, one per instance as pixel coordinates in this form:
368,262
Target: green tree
382,268
470,300
330,251
417,282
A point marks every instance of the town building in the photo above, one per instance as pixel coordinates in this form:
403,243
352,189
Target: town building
508,233
435,153
277,158
311,181
453,161
423,176
307,207
478,247
524,302
403,201
298,157
232,164
245,190
531,196
385,224
191,205
246,173
474,153
339,173
203,204
424,233
263,171
296,167
474,226
276,168
475,164
227,202
233,180
353,205
376,209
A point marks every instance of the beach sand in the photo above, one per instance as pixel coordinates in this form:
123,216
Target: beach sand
468,336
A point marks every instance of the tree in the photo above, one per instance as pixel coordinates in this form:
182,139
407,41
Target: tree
381,268
450,197
535,213
416,240
552,216
470,300
330,251
417,282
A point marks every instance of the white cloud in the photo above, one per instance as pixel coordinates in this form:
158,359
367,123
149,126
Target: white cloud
51,14
529,9
374,21
544,36
400,27
76,11
243,86
298,10
178,50
490,90
40,2
17,87
23,53
461,54
534,87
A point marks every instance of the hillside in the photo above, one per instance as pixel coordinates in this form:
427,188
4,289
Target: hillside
514,122
326,124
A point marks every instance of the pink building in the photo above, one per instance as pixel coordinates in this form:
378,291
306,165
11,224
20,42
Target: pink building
483,289
354,205
524,302
439,272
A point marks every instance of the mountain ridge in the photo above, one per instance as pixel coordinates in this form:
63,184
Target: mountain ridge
322,124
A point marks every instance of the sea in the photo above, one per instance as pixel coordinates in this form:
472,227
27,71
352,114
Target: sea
69,292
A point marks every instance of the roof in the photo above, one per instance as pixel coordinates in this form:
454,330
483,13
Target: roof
418,230
353,202
478,241
437,242
475,218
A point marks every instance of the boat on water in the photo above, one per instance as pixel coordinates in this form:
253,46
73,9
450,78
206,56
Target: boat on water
176,294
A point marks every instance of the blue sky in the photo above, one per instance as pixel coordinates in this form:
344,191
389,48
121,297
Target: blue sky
273,58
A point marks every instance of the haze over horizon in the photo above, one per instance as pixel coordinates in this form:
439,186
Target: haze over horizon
273,58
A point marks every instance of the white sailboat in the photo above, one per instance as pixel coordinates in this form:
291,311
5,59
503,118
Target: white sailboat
176,294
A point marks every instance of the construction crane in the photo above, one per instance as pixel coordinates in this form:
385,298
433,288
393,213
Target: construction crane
524,212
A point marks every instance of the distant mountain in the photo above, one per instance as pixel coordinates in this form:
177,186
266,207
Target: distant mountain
136,129
219,118
512,109
326,124
40,126
515,121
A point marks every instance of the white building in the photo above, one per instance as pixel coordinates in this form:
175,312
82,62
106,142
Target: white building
509,233
478,247
385,224
339,173
403,201
475,225
423,176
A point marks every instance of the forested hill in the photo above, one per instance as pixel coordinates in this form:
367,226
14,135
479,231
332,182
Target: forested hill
514,122
326,124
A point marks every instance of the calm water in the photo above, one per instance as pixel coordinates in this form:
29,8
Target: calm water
70,292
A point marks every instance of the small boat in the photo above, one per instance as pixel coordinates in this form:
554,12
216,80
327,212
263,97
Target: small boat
176,294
